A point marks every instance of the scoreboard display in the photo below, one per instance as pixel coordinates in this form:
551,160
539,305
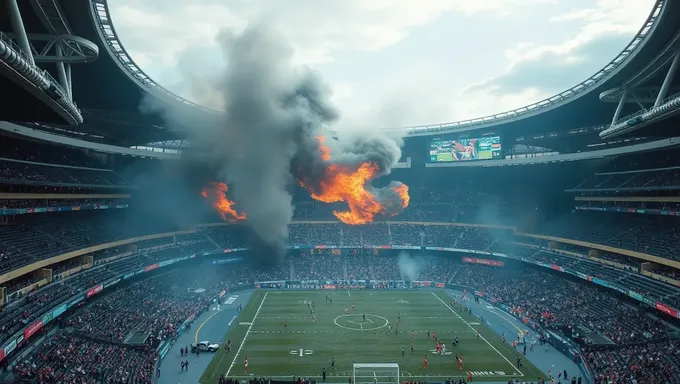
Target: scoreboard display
479,148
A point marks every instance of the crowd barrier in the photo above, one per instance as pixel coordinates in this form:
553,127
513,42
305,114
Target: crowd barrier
348,284
87,207
648,211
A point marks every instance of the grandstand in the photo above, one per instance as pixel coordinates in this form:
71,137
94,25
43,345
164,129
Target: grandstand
110,269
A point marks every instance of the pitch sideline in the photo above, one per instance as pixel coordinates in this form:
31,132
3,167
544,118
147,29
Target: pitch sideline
245,337
482,337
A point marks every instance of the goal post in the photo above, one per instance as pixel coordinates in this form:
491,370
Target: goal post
384,373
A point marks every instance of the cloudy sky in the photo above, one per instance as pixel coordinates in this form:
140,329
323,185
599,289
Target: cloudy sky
395,63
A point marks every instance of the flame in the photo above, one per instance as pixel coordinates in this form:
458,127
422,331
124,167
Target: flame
345,184
217,193
402,191
324,150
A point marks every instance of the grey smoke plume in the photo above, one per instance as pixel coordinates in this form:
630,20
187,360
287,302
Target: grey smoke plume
409,266
268,135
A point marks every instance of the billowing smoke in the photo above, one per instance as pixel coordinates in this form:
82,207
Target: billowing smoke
409,266
270,137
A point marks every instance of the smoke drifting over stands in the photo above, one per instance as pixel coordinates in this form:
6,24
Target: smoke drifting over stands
271,137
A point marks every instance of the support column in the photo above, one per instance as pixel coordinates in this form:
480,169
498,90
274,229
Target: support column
61,71
18,28
619,107
663,92
68,79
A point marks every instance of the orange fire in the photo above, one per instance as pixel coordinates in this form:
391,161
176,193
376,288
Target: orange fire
342,184
324,150
217,194
402,191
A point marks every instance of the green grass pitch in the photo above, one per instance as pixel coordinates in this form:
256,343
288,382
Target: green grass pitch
305,347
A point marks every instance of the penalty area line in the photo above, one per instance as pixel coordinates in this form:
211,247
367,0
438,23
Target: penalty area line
245,337
482,337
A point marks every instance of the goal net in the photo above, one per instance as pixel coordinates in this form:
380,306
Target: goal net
375,373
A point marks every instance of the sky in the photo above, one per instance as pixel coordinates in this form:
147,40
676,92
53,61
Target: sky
393,63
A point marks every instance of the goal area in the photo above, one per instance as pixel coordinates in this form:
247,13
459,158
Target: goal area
375,373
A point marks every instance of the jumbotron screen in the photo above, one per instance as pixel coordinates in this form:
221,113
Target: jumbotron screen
480,148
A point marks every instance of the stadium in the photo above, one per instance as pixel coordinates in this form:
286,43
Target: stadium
534,245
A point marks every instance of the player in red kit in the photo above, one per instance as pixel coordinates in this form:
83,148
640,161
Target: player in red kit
434,336
346,310
425,363
245,365
469,376
459,360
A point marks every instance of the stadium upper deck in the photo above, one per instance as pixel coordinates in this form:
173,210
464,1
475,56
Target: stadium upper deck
110,103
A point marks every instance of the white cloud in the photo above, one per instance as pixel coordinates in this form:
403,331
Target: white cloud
396,62
552,68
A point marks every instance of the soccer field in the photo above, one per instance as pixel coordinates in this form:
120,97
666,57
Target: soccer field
305,347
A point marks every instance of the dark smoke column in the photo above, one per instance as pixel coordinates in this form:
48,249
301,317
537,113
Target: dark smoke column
270,109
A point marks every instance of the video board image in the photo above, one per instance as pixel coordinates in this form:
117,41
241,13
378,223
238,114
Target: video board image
481,148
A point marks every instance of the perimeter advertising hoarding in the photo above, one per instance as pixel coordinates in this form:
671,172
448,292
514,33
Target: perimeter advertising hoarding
56,312
475,260
32,329
93,291
666,309
478,148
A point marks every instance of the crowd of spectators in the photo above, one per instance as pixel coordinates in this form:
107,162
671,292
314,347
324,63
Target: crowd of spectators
46,203
37,173
549,300
643,363
341,235
158,305
34,162
642,350
642,179
51,234
368,265
645,171
66,358
655,235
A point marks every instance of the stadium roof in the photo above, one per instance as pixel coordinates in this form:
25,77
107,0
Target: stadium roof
110,90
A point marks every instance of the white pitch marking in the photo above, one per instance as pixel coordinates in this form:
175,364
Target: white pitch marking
349,374
482,337
233,362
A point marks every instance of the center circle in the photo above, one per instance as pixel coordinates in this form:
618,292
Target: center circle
355,322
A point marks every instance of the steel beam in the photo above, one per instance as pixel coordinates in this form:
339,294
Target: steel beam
619,107
67,68
61,72
18,27
663,92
